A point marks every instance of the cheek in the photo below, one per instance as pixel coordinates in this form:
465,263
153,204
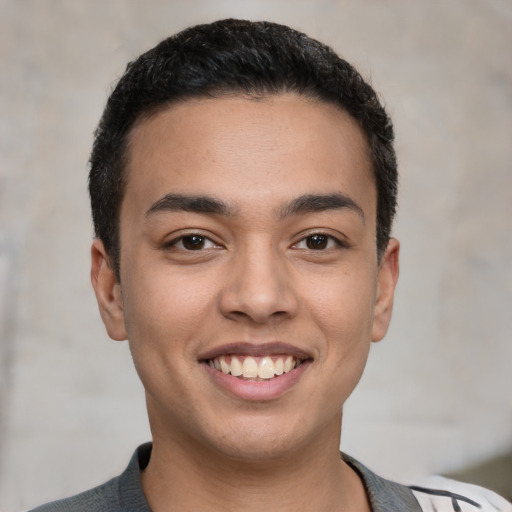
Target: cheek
165,316
345,320
165,310
342,310
342,303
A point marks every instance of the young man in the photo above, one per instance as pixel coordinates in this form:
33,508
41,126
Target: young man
243,187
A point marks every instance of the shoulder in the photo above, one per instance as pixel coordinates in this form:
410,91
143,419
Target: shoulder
100,499
442,494
122,493
433,494
384,495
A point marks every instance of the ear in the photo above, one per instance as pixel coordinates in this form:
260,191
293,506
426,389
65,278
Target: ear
108,292
386,283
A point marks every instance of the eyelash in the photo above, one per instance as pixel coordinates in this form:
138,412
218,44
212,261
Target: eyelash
203,239
325,236
328,239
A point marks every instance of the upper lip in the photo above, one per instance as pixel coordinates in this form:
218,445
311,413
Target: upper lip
255,350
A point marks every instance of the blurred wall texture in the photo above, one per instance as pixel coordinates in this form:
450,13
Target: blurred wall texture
437,392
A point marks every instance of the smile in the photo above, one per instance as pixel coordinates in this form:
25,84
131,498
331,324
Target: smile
256,372
255,368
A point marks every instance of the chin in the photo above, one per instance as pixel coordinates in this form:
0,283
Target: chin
260,440
257,449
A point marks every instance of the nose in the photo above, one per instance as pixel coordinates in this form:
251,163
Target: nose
259,287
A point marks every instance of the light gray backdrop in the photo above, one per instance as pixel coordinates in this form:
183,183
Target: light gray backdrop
437,392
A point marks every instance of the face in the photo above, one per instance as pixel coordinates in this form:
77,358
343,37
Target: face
250,289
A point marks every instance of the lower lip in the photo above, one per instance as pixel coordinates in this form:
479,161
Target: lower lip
261,390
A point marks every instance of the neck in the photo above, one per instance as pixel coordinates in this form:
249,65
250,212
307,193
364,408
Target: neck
181,476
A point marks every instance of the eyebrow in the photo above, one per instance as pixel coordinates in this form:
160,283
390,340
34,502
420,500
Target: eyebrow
190,203
311,203
307,203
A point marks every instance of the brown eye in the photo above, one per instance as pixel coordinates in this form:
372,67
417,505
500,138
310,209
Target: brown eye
193,242
317,242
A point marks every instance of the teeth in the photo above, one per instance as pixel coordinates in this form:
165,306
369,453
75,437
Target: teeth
236,367
279,366
249,368
224,367
262,368
266,368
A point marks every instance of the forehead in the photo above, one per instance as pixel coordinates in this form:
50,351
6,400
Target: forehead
248,150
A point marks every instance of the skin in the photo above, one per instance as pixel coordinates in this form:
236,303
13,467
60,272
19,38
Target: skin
256,278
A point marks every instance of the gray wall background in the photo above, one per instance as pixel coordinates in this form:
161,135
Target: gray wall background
437,392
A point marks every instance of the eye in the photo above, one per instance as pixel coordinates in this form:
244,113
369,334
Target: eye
318,242
192,242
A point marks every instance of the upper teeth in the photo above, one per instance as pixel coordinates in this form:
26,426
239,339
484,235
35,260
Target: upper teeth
252,367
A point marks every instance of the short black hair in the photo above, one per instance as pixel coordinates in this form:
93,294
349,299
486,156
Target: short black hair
233,57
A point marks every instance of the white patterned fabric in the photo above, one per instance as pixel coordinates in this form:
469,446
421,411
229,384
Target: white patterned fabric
439,494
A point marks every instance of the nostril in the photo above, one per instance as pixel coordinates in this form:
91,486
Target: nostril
258,317
279,314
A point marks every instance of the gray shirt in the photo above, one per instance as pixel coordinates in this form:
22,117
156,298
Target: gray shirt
124,493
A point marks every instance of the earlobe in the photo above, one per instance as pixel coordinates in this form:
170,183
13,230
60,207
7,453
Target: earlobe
386,284
108,292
